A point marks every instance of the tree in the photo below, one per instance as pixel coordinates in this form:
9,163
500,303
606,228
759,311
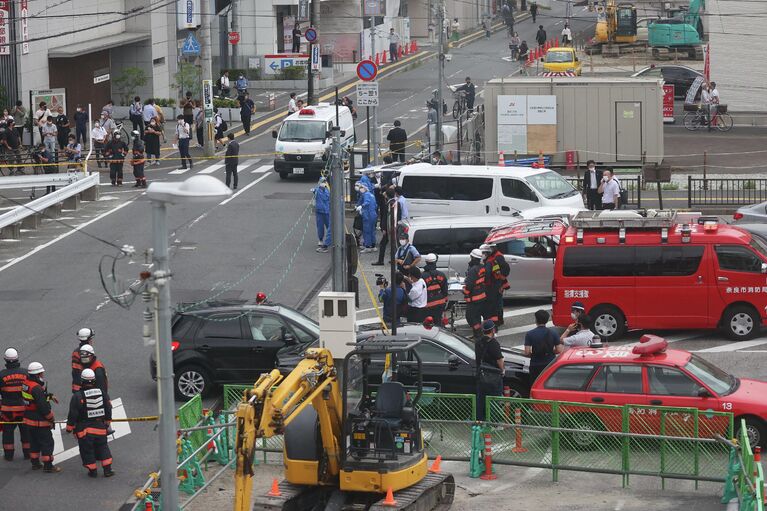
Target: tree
189,78
129,80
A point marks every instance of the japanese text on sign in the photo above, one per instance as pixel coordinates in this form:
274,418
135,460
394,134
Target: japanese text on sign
576,293
367,94
4,27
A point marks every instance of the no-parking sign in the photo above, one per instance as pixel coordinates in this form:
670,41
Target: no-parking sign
367,70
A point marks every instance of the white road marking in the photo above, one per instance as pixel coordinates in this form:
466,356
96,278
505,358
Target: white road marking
230,199
211,169
179,171
62,236
515,330
120,430
734,346
242,167
261,169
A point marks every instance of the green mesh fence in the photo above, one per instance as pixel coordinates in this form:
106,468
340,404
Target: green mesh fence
233,395
189,415
446,421
750,478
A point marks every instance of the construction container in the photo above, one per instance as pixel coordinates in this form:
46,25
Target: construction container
612,120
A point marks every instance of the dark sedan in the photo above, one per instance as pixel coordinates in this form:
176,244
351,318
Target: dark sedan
448,361
681,77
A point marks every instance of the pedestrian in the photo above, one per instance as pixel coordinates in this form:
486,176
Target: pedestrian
152,141
136,114
567,36
506,14
496,278
487,26
474,292
367,180
384,210
578,333
437,158
322,212
471,93
73,150
12,408
367,208
115,152
299,104
402,205
187,108
221,128
489,366
88,360
514,46
109,108
138,160
296,38
62,127
455,28
394,40
199,124
183,134
44,159
81,125
242,87
577,309
347,102
406,256
292,108
385,294
98,138
610,190
225,86
90,414
231,160
523,52
84,336
540,36
108,124
713,100
541,345
39,419
247,107
436,288
149,112
50,134
397,138
534,10
590,186
417,296
19,114
41,118
12,144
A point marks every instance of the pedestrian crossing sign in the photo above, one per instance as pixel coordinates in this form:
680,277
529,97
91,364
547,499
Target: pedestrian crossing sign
191,45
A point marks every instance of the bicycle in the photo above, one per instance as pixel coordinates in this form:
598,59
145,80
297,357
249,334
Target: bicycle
697,119
459,106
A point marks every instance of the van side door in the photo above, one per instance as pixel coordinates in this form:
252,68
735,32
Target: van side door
516,195
426,195
739,277
471,195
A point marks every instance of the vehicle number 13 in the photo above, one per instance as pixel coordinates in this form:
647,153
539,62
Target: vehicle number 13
727,406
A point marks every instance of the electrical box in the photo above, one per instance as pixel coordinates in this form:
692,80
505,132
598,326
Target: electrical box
338,322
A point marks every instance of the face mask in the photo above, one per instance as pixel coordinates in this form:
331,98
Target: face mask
96,125
402,243
591,168
180,122
573,315
117,137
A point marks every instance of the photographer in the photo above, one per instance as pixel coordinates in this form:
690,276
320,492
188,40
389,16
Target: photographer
384,296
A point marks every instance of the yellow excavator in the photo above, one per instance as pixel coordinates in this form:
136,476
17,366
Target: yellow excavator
616,23
343,448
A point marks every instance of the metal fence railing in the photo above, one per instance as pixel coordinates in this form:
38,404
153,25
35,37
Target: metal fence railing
749,478
632,185
677,443
725,191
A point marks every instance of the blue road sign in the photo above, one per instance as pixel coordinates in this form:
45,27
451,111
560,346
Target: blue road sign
191,45
310,34
367,70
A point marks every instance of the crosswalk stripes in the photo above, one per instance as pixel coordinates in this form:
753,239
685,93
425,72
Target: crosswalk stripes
179,171
211,169
261,169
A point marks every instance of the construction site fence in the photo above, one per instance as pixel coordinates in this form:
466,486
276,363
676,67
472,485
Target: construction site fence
744,484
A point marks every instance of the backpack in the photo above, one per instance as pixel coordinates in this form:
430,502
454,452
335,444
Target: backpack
223,126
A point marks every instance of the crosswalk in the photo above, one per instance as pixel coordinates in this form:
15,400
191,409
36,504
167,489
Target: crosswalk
247,165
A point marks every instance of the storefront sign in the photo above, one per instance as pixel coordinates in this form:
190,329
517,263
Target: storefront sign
668,103
24,4
5,27
512,110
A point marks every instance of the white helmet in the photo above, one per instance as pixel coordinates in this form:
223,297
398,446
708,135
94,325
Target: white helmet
11,355
487,247
35,368
88,375
430,258
85,334
476,253
86,353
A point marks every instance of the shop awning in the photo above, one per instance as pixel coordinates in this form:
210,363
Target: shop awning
103,43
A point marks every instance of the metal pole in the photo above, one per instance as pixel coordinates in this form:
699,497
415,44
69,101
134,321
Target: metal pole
374,131
309,73
337,209
207,74
167,411
367,123
235,28
441,72
393,242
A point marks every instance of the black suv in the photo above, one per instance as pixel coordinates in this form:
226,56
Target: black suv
231,342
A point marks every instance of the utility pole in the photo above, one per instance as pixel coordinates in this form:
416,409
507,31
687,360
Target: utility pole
207,74
235,28
337,207
441,71
314,19
375,109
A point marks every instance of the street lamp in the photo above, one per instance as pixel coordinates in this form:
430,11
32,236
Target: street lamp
194,189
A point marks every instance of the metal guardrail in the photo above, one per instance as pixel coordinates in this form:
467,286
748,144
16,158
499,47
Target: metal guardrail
633,185
37,206
11,182
725,191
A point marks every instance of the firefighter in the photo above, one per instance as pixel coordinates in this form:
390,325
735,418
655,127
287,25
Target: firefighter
497,271
138,160
38,418
85,336
12,407
475,292
88,361
436,288
90,412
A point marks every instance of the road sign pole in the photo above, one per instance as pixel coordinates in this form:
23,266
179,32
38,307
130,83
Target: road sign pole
375,110
367,123
235,28
207,72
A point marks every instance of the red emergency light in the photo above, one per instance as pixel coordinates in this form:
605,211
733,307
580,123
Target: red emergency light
428,323
650,345
260,298
306,111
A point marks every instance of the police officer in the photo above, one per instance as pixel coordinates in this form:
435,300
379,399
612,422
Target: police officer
475,292
12,407
496,270
115,152
90,412
88,361
85,336
138,160
38,418
436,288
490,366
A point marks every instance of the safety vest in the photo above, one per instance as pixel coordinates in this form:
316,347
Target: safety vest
37,410
11,384
475,293
434,281
497,262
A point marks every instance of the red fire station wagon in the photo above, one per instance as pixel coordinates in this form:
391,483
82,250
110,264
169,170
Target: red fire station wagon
650,374
671,271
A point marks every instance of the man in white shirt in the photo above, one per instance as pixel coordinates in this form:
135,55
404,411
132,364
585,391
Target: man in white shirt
225,87
393,45
416,296
578,333
567,36
590,186
98,136
713,102
610,190
149,112
292,107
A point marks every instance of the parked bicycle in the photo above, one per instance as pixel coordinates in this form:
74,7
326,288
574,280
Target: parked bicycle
459,106
697,119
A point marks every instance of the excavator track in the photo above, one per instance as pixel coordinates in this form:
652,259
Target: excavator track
434,492
292,497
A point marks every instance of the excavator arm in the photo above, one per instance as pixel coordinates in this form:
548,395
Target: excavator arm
274,401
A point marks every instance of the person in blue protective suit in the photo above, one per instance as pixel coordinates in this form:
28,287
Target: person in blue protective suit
322,211
368,210
367,181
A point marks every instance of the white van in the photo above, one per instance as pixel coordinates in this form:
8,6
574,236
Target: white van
303,140
483,190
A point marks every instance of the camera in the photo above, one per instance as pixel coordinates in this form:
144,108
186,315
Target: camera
381,280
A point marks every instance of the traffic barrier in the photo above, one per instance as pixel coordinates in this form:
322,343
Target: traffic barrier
190,473
475,458
488,475
275,490
518,432
501,159
389,500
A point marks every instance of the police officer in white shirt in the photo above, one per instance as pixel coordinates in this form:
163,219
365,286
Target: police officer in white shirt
590,186
610,190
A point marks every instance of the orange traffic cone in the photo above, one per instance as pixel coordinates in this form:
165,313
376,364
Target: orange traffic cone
435,467
389,500
383,57
399,51
148,505
378,60
501,159
275,491
415,47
